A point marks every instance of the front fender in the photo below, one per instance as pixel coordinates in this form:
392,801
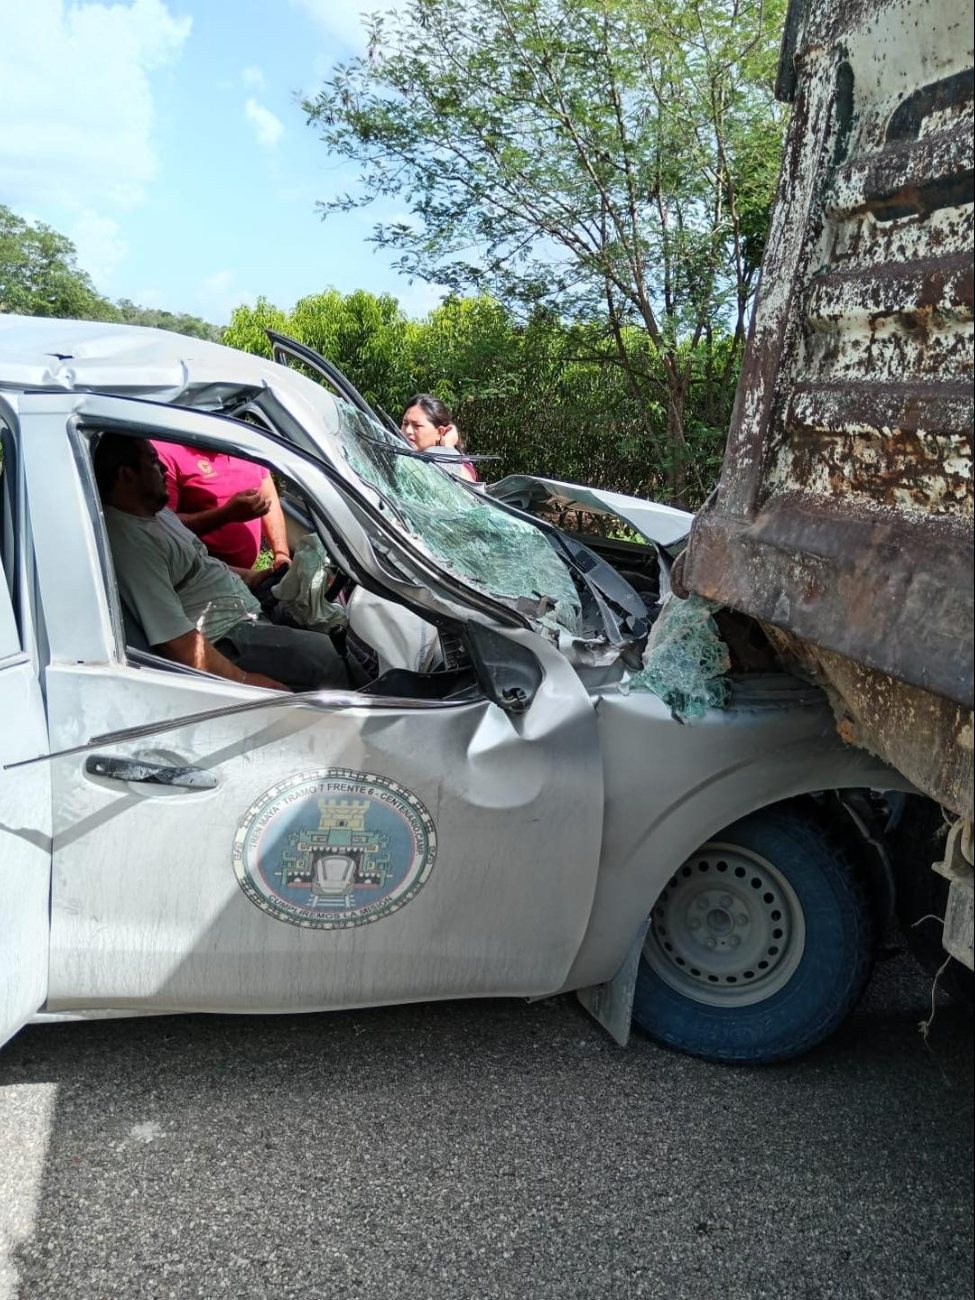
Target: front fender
671,788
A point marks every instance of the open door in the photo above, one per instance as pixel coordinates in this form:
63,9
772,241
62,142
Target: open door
287,351
25,793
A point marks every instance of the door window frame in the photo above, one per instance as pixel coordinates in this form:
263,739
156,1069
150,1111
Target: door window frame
11,614
25,629
81,436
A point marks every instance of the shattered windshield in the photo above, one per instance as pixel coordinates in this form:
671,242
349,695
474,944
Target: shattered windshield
464,532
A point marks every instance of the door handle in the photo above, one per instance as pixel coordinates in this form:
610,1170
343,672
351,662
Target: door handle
132,769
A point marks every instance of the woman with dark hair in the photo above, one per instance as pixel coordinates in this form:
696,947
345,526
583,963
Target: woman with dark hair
427,426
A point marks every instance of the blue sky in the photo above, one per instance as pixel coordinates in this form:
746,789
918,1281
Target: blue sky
166,139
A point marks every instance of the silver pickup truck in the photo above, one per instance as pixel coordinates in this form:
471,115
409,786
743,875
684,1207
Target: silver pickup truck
532,812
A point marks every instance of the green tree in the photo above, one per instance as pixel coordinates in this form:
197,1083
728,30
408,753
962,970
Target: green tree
467,348
363,333
248,325
39,274
609,159
537,394
177,322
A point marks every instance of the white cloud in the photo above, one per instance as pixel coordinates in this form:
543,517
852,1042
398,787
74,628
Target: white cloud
219,281
253,77
219,294
267,128
343,28
76,103
419,298
341,22
100,246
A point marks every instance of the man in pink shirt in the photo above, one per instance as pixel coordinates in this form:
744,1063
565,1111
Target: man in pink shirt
227,502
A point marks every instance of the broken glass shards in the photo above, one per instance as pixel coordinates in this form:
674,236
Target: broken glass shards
685,660
466,533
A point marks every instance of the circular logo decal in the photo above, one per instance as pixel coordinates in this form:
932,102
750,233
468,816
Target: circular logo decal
334,848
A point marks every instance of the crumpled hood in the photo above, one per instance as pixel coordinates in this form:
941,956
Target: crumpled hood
661,525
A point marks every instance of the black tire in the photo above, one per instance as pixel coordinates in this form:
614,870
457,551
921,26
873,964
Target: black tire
785,878
922,895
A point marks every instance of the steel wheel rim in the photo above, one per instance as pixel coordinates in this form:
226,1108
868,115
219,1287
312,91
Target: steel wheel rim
727,929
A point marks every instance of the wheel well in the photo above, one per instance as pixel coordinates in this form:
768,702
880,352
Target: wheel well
858,821
855,818
760,963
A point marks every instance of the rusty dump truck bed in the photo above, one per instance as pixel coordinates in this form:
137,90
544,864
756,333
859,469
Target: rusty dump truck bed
843,519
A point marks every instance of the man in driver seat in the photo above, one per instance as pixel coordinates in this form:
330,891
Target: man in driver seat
194,609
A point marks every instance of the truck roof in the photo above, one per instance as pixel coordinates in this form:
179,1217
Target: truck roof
38,352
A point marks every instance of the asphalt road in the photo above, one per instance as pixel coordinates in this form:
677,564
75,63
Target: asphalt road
485,1149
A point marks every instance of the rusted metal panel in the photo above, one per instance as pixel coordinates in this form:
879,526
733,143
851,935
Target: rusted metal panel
844,511
930,736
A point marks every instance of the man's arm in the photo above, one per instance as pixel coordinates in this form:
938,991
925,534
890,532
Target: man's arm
195,651
273,523
240,508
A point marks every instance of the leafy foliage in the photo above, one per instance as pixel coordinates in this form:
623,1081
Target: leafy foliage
40,276
179,322
537,394
607,160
